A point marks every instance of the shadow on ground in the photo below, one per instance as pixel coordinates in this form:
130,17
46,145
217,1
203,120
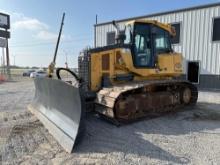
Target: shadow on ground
127,143
103,137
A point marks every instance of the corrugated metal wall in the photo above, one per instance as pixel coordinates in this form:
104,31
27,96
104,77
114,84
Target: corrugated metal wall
196,36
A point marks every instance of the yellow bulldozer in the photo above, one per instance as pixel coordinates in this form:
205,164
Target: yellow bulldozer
134,78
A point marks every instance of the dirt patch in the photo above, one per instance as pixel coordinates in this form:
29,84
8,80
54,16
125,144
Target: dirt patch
186,137
29,143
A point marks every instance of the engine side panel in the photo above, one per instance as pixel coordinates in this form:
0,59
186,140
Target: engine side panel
112,65
107,66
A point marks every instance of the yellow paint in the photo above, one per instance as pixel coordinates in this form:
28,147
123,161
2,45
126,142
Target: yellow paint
165,67
96,73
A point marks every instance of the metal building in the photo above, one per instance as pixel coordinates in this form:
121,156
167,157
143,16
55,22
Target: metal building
198,39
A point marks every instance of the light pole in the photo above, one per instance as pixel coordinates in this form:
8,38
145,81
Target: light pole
66,63
66,54
3,60
14,59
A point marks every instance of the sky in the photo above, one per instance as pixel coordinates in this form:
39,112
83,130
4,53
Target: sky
35,25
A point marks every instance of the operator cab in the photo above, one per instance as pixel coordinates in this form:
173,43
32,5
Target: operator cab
148,39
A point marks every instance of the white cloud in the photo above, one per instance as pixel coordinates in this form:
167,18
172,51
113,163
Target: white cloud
45,35
40,30
50,36
29,24
20,21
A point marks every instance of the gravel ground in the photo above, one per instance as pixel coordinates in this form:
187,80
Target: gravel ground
191,136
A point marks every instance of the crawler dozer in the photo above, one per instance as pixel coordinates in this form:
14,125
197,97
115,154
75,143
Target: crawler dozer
136,77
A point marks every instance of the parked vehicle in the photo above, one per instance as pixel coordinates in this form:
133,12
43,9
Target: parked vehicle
39,73
28,73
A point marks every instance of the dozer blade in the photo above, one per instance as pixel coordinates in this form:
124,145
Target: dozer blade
58,106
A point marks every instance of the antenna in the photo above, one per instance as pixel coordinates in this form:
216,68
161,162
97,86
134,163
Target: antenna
52,64
58,40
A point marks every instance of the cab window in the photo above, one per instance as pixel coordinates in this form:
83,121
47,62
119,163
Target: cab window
162,41
142,46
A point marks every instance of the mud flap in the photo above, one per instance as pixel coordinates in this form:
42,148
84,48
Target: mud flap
58,106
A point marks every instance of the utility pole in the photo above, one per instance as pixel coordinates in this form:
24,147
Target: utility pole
66,54
96,22
66,60
66,63
3,61
96,19
14,59
8,61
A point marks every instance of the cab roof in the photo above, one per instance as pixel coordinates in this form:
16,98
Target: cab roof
164,26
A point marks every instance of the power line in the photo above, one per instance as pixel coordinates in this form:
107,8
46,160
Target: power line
48,43
36,42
